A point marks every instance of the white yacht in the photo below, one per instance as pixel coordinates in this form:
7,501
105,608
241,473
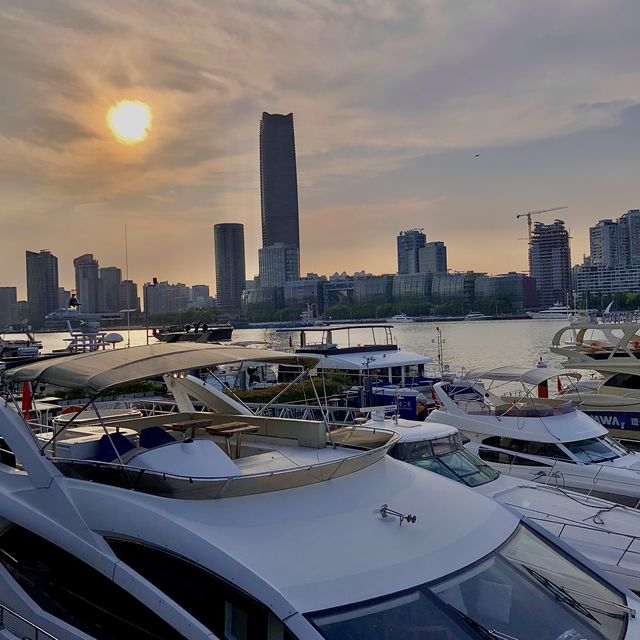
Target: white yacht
369,354
539,438
156,528
474,315
400,318
555,312
613,351
607,533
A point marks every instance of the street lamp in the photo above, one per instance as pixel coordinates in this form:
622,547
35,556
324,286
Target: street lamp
146,305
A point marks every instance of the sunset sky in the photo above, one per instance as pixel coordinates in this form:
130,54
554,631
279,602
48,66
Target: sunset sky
392,100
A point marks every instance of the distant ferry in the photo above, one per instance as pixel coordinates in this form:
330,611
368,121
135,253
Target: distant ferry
556,312
476,316
400,318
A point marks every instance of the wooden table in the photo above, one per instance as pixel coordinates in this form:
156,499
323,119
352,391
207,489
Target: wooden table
183,425
228,430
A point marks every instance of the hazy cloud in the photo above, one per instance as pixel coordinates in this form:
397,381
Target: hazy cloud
391,101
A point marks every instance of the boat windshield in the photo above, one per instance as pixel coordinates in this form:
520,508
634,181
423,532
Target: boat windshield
595,449
525,590
447,457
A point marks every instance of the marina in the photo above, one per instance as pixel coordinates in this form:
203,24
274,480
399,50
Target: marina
197,486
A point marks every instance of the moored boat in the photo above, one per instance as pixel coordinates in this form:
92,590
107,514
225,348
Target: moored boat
229,525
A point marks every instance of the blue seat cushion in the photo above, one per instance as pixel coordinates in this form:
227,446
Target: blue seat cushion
154,437
109,444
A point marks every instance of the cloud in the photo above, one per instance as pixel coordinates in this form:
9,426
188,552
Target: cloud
375,86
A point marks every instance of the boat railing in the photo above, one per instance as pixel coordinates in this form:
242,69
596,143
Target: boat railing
517,408
20,627
159,483
625,546
592,486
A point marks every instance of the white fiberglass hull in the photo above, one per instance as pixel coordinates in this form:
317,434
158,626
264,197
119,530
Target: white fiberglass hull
606,535
617,480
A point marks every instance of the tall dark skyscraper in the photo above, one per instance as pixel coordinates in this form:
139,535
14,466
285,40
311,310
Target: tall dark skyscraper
278,181
230,272
42,285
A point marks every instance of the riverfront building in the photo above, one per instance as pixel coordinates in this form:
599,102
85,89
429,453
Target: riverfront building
230,266
278,263
550,262
87,283
42,285
279,201
409,243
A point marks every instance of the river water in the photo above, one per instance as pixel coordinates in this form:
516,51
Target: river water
466,344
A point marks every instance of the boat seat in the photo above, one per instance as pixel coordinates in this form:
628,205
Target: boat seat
109,444
154,437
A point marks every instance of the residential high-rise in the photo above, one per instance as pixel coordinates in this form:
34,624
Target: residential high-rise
128,297
200,297
278,263
629,238
42,285
409,244
604,241
550,262
230,271
87,283
8,306
432,258
163,297
110,281
278,180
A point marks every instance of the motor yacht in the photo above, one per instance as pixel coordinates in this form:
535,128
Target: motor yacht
400,318
228,525
369,355
12,348
196,332
474,315
538,438
556,312
613,351
605,532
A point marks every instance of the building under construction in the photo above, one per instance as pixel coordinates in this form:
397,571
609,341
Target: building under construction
550,262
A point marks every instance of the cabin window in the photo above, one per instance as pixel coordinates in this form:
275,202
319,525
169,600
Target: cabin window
224,609
623,380
543,449
76,593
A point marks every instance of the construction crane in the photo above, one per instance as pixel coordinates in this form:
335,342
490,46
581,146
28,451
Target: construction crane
535,213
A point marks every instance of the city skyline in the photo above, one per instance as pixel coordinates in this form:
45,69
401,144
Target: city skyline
450,118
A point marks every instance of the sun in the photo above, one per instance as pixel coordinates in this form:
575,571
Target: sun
130,121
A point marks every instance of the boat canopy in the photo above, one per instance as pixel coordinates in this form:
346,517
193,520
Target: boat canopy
98,371
337,327
524,375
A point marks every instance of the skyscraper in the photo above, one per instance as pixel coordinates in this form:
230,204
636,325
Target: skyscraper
42,285
128,298
110,281
279,181
278,263
604,243
8,306
629,238
87,283
550,262
230,272
409,244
